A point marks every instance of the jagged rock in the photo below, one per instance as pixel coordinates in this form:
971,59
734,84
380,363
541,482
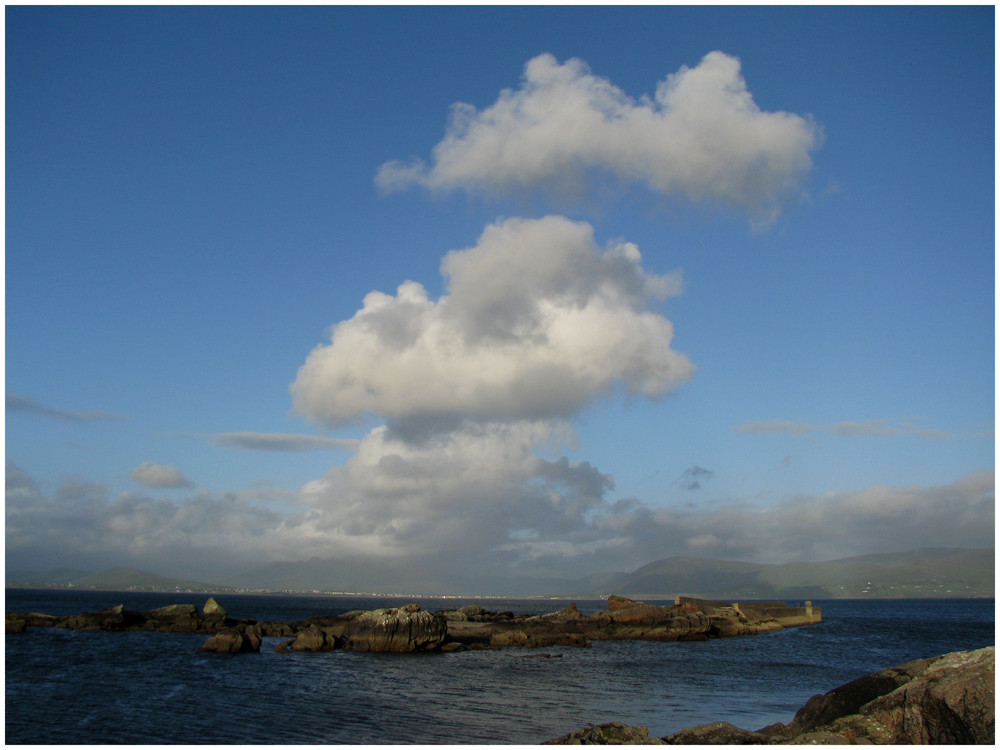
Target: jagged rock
612,733
213,609
717,733
232,641
402,629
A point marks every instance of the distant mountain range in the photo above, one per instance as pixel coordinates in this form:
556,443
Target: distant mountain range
917,573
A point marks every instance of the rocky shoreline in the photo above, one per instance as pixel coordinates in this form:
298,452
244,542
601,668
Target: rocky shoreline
411,628
948,699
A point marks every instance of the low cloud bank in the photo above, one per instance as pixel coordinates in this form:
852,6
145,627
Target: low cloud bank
458,509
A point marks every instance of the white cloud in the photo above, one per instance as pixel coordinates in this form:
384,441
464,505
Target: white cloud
156,475
537,320
701,136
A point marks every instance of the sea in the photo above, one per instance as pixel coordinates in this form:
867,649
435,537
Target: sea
90,687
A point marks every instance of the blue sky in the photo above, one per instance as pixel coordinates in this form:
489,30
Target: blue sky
701,281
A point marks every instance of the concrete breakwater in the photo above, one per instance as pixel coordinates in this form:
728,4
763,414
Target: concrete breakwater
410,628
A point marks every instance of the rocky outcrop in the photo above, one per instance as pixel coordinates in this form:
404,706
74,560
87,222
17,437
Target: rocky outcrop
176,618
410,628
949,699
232,641
402,629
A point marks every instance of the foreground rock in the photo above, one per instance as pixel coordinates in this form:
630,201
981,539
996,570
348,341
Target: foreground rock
949,699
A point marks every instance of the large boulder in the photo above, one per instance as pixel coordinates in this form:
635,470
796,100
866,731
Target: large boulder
400,629
949,699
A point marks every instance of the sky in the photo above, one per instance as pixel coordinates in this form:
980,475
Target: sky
496,290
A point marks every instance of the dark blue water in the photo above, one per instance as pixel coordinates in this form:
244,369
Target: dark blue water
85,687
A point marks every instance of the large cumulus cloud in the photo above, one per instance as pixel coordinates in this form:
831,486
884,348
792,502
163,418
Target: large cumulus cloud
701,136
537,321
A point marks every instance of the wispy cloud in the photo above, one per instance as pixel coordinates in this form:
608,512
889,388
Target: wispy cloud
276,442
153,474
873,427
25,405
701,136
